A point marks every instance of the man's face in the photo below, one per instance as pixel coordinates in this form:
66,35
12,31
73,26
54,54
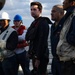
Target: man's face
35,12
66,4
3,23
55,14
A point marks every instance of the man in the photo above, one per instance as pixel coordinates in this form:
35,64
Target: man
8,42
66,44
20,49
37,36
57,13
2,2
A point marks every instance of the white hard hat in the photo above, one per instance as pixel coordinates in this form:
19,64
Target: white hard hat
4,16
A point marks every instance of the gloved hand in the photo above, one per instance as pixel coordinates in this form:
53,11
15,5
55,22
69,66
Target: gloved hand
2,44
3,54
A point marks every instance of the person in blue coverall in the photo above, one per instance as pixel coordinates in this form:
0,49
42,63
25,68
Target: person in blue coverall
57,13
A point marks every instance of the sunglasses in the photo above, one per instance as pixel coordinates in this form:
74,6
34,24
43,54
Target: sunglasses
16,20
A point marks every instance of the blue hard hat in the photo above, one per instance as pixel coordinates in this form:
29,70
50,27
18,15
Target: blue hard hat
17,17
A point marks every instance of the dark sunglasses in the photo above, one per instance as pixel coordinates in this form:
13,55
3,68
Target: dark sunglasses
16,20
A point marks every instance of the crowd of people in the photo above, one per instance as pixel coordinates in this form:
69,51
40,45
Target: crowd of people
61,33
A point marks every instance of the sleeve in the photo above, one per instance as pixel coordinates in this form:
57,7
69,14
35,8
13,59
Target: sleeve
22,44
42,39
22,37
21,40
12,41
71,34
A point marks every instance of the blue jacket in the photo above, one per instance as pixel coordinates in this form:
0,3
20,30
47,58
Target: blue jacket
55,32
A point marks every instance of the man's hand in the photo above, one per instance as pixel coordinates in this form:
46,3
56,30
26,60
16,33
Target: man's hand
37,62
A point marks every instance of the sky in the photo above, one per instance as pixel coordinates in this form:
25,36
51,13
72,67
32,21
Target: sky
22,7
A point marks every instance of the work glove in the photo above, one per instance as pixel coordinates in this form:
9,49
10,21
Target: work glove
2,44
3,54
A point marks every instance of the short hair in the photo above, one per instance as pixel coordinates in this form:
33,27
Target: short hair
59,8
38,4
71,0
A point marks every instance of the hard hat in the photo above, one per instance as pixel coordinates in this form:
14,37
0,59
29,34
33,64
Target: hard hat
4,16
17,17
2,2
